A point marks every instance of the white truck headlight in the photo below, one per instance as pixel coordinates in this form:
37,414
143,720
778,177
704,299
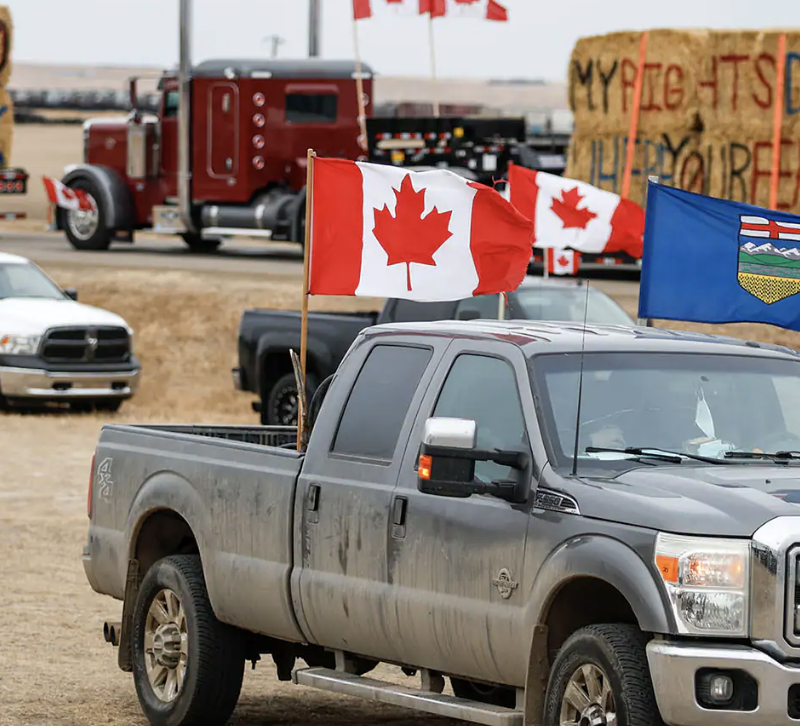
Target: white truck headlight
708,583
19,344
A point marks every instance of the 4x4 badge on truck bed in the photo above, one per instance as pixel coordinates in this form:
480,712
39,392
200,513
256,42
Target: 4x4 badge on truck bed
504,584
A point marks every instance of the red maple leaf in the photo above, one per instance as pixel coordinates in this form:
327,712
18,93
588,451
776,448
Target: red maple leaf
563,261
567,209
408,237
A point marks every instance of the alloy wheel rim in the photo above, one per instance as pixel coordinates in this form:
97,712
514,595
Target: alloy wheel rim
166,645
588,699
84,223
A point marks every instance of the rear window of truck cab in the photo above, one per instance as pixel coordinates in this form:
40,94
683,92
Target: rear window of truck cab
311,108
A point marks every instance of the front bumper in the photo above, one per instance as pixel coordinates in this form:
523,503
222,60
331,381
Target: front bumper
44,385
673,667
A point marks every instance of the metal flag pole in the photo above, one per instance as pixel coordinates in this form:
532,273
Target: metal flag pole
647,322
302,412
432,44
362,112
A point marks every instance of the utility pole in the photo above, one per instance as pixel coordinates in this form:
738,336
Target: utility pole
277,41
313,28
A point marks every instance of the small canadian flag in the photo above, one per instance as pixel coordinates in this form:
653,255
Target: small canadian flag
478,9
382,231
363,9
562,262
574,214
66,198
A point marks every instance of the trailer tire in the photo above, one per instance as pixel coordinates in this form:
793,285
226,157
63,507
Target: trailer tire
86,230
615,657
201,245
188,632
279,407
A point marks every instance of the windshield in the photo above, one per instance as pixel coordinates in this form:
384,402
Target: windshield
693,404
27,280
568,304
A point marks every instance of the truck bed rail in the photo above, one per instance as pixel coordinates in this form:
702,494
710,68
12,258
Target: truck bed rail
278,436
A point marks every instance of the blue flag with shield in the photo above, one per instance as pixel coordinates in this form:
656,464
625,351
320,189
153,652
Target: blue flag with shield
710,260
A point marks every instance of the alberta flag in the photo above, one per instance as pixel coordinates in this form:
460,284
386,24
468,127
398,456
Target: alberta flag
710,260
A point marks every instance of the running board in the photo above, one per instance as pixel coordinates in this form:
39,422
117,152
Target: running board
439,704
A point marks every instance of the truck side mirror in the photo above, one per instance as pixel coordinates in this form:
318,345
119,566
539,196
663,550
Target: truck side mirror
447,461
71,293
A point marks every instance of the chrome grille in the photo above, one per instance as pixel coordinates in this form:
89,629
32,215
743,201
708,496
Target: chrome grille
793,596
101,344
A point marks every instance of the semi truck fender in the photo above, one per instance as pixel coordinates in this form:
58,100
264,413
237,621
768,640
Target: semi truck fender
611,561
116,196
318,352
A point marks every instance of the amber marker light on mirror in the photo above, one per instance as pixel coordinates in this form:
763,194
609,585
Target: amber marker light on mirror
425,464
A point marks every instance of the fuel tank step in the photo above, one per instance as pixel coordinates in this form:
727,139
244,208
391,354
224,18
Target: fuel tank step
350,684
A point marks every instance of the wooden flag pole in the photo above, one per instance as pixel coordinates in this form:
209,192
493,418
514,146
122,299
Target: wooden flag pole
432,44
302,413
362,111
777,123
634,124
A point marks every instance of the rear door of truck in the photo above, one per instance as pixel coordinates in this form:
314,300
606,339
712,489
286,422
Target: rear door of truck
343,505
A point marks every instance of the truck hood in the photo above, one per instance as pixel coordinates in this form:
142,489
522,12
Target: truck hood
33,316
730,500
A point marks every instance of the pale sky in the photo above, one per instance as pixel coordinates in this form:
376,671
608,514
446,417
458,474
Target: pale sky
535,43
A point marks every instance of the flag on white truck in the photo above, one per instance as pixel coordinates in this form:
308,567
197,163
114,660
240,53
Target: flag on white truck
382,231
562,262
66,198
574,214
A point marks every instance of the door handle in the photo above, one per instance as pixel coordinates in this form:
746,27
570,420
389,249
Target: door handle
399,517
312,503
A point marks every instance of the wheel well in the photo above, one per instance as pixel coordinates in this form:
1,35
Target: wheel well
274,365
162,534
581,602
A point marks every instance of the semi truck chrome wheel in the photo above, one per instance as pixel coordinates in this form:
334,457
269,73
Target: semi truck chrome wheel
187,665
601,677
87,229
83,224
166,645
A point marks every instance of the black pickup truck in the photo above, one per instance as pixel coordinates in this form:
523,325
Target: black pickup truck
266,336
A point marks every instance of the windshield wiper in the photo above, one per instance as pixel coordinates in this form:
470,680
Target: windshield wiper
783,457
674,457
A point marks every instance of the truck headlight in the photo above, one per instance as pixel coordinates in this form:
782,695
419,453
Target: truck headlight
19,344
708,583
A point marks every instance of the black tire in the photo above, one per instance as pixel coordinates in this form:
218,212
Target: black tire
201,245
279,408
494,695
619,652
101,238
216,654
108,406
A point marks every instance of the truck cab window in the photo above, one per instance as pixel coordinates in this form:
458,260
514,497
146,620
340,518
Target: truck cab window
307,108
484,389
171,101
378,404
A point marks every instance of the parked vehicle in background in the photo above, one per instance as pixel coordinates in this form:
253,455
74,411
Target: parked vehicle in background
54,349
630,559
266,336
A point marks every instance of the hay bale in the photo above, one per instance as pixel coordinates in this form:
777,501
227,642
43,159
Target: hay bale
6,36
676,158
6,127
602,75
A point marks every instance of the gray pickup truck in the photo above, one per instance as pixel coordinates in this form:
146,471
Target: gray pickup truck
575,526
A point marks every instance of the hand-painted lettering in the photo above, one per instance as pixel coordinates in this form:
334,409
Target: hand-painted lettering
735,59
628,76
674,91
764,101
605,79
791,107
652,76
712,82
585,76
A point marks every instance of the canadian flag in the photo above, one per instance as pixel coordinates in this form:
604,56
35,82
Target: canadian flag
481,9
382,231
562,262
363,9
66,198
571,213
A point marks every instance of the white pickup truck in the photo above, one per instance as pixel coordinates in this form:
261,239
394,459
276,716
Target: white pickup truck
53,348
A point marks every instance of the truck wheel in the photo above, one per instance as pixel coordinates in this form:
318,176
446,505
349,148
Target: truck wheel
187,665
494,695
86,230
601,677
281,406
201,245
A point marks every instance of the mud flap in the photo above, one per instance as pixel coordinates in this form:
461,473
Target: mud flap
132,582
536,679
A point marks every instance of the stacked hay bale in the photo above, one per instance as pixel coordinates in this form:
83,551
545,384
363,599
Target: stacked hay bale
706,117
6,107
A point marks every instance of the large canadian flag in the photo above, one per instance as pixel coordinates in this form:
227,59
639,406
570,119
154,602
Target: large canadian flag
479,9
363,9
574,214
66,198
382,231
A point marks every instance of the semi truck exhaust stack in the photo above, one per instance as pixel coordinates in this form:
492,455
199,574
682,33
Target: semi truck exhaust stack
184,116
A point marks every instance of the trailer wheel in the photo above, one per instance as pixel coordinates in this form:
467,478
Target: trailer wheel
601,676
201,245
86,230
187,665
281,405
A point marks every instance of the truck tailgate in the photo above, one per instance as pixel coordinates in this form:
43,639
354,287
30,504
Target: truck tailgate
232,486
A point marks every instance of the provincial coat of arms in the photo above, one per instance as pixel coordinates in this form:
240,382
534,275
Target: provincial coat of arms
769,258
